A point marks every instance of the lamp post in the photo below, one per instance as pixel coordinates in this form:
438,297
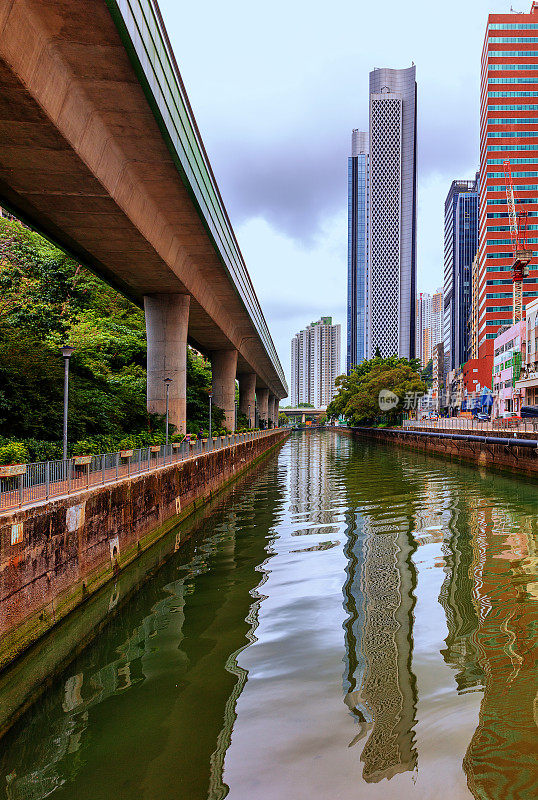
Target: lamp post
249,418
167,382
210,399
67,352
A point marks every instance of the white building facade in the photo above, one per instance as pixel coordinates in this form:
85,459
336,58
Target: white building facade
315,363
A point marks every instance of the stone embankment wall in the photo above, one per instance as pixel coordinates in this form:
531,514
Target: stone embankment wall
522,460
55,555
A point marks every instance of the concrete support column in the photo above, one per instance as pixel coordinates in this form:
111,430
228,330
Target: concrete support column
247,396
272,402
223,369
277,411
167,323
262,396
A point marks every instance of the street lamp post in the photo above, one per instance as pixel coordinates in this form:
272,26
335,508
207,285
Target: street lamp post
67,352
210,399
249,418
167,382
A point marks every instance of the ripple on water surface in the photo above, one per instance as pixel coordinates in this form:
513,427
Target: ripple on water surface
353,621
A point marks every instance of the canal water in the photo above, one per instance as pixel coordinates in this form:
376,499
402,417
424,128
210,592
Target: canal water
356,622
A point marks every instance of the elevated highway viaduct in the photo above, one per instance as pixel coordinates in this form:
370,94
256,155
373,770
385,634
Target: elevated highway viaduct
101,153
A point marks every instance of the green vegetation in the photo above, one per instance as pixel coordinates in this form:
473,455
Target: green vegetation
46,300
358,393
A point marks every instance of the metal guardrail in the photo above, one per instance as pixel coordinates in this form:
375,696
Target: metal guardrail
451,423
460,437
47,479
142,30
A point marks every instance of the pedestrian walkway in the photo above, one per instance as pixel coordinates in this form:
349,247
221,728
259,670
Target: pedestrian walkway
24,484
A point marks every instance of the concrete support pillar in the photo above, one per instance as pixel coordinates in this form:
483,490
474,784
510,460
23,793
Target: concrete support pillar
272,406
223,369
167,323
262,396
270,410
247,396
277,411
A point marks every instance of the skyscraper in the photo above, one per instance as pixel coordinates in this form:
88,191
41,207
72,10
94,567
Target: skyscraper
392,212
357,249
315,363
437,318
508,131
461,244
423,328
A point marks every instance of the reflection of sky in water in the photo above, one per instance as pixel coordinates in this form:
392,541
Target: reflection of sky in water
352,616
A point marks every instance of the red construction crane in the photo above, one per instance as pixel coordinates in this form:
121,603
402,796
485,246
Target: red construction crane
522,256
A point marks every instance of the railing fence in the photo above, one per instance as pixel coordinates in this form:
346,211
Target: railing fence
46,479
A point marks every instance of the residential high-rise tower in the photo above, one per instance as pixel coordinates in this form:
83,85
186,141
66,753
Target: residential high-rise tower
392,212
315,363
437,318
357,249
423,328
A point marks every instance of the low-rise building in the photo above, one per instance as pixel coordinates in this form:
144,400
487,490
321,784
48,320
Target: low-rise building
509,351
528,379
476,376
438,376
454,392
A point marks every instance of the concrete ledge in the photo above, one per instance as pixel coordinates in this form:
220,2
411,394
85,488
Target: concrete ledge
55,555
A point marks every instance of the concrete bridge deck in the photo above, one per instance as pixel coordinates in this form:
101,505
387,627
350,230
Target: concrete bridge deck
102,154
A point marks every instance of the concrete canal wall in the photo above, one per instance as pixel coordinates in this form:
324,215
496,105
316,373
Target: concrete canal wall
55,555
518,455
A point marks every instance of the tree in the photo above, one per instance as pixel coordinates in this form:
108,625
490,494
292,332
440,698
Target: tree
358,397
46,299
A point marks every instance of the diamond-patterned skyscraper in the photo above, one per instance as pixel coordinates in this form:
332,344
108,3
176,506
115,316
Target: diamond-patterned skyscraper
392,217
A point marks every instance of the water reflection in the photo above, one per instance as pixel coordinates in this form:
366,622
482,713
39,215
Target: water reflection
501,759
379,600
162,679
222,676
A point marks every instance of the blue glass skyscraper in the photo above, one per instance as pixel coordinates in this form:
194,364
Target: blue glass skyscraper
357,250
461,245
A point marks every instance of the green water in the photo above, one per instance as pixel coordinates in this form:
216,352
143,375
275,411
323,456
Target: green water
353,622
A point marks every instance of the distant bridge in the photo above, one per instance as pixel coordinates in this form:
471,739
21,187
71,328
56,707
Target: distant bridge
304,412
101,153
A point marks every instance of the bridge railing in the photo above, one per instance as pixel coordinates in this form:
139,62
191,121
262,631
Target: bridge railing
23,484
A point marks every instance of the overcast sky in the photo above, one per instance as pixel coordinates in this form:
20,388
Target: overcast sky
276,89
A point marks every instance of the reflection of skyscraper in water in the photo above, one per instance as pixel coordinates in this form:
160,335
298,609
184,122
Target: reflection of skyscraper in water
456,595
310,487
381,687
500,762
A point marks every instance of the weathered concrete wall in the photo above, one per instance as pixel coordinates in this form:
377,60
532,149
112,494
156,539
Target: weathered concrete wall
520,460
54,555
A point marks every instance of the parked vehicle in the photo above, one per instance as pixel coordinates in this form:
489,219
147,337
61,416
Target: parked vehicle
528,412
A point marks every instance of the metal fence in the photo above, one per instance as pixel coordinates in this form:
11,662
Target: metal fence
477,425
47,479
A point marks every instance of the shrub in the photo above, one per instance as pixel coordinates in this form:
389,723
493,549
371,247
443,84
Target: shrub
13,453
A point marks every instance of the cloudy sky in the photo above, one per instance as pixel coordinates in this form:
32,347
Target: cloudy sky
276,89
